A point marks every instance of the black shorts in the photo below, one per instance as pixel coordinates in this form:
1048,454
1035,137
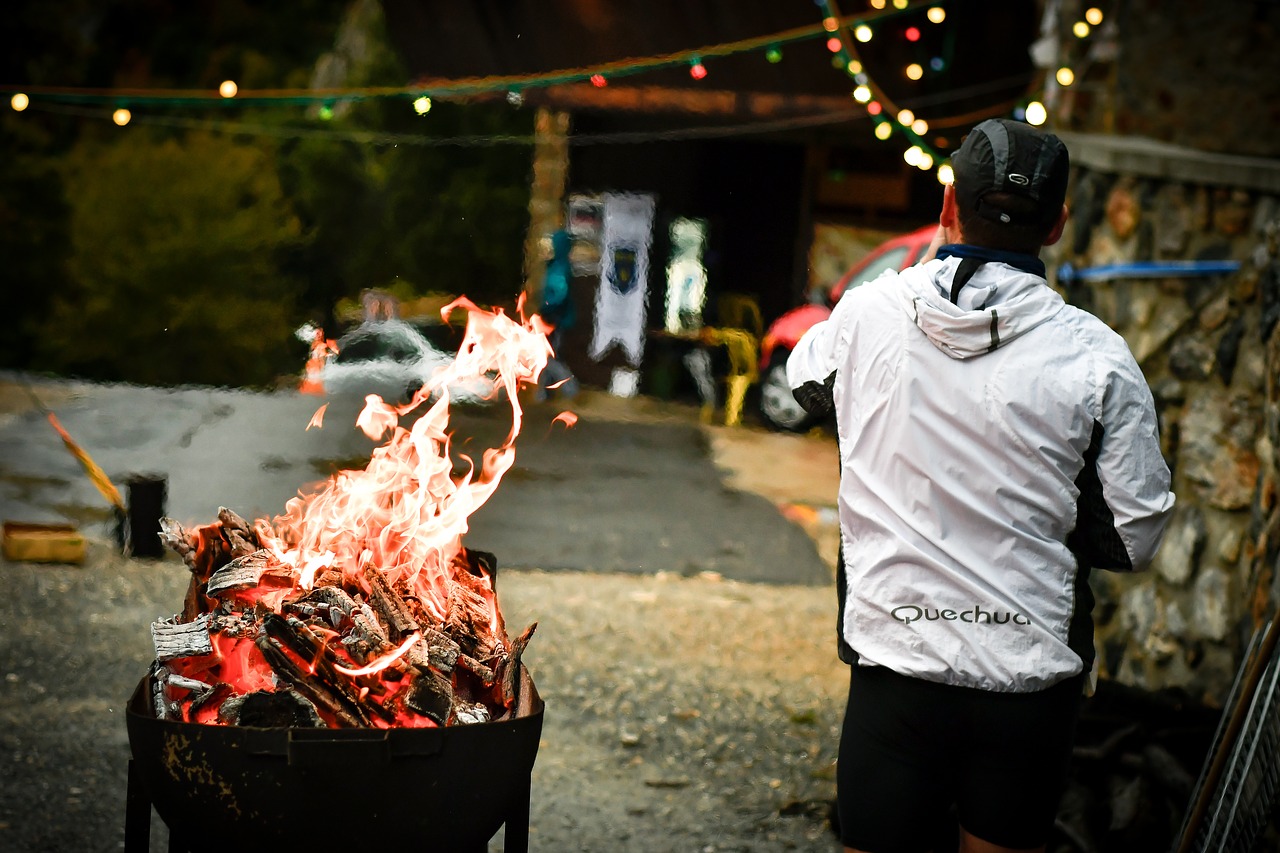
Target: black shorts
911,750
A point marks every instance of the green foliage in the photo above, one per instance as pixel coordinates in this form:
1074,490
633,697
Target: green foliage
175,262
156,254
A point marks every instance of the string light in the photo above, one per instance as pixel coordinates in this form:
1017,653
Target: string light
862,94
874,108
121,116
914,71
1080,29
877,4
19,102
1036,114
1093,16
912,33
228,89
422,105
1065,76
773,54
899,4
919,127
862,33
696,69
925,161
830,24
936,14
912,155
883,130
854,67
834,45
905,117
946,174
599,81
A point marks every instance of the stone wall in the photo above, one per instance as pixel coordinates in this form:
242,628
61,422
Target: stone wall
1210,350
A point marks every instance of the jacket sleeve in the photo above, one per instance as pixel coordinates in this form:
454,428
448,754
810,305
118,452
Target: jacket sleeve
1125,501
811,367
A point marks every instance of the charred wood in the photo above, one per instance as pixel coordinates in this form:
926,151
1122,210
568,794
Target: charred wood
509,671
390,606
476,668
240,537
327,698
173,639
244,572
431,695
282,708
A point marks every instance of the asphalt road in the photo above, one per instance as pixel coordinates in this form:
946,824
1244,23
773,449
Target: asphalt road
635,489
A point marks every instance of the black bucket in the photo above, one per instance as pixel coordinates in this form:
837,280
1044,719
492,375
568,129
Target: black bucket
246,788
138,530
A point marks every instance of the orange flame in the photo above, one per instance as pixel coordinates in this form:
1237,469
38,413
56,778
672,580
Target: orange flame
407,508
384,661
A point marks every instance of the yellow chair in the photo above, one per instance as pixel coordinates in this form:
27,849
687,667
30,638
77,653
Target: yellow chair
741,327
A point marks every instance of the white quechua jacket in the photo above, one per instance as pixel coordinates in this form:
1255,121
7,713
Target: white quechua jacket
992,452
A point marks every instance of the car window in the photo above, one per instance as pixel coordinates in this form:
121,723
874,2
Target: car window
890,260
378,348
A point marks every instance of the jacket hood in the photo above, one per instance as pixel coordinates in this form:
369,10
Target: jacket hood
1000,303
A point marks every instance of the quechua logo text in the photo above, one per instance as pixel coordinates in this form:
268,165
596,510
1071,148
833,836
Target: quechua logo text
976,615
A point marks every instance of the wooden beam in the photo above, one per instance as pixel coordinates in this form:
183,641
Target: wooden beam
665,99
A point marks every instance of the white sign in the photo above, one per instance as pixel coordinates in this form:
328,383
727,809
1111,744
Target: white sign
623,295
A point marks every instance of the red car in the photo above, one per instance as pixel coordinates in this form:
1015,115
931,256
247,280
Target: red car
777,405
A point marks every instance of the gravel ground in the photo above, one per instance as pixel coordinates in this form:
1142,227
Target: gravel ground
682,714
684,711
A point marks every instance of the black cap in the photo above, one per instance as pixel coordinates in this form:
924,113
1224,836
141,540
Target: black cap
1004,156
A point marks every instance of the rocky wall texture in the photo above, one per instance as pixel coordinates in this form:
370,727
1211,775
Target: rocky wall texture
1210,350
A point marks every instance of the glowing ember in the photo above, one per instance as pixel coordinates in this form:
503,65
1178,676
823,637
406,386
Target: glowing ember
359,606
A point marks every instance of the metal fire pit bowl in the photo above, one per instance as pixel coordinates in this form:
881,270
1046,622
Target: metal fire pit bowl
243,788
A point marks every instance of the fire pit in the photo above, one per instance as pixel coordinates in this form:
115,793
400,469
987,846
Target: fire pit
253,788
343,670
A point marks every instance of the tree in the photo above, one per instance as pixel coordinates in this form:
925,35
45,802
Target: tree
174,259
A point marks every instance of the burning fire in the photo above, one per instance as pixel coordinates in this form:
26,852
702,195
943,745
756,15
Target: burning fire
360,605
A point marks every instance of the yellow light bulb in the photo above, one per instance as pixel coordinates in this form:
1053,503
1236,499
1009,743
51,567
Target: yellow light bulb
1065,76
228,89
422,105
1093,16
912,155
919,127
1080,29
854,67
914,71
899,4
877,4
906,117
862,94
937,14
925,161
946,174
1036,113
19,102
121,117
884,130
862,33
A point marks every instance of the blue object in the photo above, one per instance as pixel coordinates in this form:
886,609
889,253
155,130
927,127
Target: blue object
1147,269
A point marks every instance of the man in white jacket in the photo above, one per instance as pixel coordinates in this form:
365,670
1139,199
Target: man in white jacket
996,444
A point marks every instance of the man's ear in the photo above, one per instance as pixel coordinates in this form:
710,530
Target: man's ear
948,217
1056,234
